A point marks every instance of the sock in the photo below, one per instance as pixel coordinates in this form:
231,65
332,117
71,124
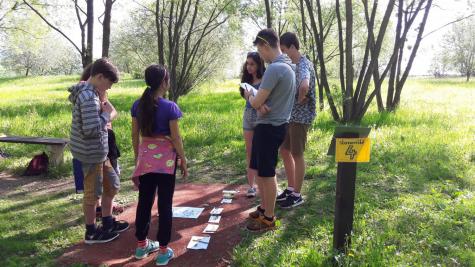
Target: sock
142,244
107,222
295,194
90,229
163,249
270,219
291,189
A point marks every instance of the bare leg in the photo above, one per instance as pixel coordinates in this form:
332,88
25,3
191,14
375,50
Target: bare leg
262,193
289,165
299,172
251,174
269,184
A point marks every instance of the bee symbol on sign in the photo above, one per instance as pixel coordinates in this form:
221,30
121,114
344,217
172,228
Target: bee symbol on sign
351,152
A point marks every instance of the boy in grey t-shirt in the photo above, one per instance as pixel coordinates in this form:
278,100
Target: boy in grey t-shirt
274,102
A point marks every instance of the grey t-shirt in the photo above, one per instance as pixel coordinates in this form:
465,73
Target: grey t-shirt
279,79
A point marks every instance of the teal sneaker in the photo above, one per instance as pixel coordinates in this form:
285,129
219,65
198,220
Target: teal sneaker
163,259
151,247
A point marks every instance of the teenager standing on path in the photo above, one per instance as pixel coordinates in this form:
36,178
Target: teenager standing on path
303,114
252,72
89,145
157,144
274,101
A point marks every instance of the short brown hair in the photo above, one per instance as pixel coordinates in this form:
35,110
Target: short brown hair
105,67
267,36
288,39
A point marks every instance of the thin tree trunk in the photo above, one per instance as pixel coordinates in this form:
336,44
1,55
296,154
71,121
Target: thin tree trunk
268,14
106,27
304,27
347,102
90,31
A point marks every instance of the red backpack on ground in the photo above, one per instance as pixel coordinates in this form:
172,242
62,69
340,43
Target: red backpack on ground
38,165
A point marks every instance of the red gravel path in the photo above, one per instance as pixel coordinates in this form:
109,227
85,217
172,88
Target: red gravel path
120,251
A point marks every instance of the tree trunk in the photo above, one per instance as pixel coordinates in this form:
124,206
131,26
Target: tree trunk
106,28
90,31
268,14
468,76
348,97
304,26
27,72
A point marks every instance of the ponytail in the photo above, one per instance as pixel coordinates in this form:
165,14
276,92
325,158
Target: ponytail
155,75
145,112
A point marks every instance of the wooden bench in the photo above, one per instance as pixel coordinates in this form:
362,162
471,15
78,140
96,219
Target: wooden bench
55,146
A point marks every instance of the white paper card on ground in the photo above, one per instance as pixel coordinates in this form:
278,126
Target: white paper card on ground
187,212
211,228
214,219
229,193
199,242
249,88
227,201
216,211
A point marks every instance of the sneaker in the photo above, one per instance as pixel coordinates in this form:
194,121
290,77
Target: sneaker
163,259
291,201
260,224
100,236
119,226
283,195
258,212
251,192
151,247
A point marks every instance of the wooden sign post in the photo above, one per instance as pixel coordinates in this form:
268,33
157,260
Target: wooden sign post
350,145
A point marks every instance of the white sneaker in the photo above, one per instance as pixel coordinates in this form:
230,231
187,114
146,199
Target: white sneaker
251,192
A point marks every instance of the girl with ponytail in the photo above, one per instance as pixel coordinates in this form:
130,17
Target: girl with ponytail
158,151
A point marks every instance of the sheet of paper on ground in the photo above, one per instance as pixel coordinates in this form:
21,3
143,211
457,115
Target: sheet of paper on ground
199,242
211,228
214,219
187,212
216,211
227,201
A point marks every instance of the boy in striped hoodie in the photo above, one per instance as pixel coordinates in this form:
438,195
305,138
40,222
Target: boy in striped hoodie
89,145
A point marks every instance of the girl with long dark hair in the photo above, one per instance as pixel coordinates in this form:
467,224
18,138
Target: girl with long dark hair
157,147
252,72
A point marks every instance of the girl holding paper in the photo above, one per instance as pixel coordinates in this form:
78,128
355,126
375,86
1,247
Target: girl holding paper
252,72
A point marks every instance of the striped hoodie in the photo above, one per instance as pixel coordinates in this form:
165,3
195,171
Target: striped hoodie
89,140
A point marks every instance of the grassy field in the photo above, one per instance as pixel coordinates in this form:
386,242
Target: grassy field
415,202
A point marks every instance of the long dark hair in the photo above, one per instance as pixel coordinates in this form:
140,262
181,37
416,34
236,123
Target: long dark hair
155,76
246,77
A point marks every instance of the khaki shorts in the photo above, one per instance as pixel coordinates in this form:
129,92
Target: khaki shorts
99,178
296,138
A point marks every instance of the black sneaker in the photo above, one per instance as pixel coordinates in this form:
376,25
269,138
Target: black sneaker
119,226
100,236
291,201
283,196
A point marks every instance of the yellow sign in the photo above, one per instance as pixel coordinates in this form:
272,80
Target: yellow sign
352,149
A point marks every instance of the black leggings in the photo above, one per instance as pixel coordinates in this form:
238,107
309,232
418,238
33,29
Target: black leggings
164,185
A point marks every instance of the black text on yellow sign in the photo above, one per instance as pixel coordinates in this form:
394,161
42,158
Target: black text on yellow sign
352,149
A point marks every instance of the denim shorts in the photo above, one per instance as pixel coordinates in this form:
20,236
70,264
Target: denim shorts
249,119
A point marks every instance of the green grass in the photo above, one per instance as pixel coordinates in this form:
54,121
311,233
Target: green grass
414,201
